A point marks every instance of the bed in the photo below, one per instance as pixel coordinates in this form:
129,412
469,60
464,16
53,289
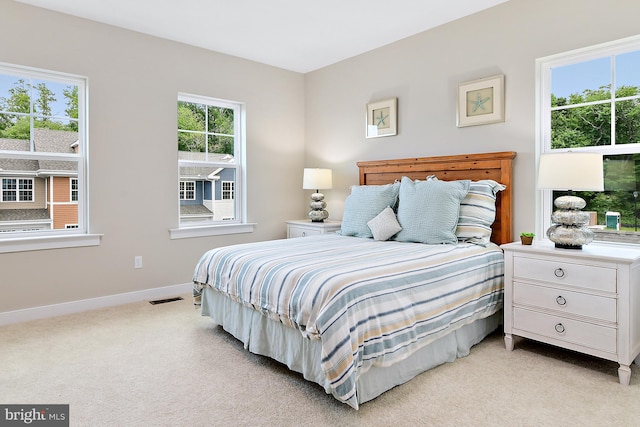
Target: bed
390,296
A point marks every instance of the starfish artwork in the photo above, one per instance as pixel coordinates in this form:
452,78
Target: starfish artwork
479,103
381,119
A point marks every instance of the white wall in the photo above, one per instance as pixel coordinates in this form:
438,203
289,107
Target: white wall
423,72
134,80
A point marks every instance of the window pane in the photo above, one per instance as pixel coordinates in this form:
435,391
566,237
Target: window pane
573,84
627,66
191,116
628,121
220,120
221,145
201,194
55,141
586,126
13,126
193,143
52,99
14,94
619,199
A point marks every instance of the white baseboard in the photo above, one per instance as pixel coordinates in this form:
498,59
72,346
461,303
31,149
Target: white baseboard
43,312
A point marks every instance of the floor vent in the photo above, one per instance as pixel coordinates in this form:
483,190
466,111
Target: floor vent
162,301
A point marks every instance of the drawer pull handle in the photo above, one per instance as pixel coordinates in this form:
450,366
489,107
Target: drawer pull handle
559,272
304,234
561,300
560,328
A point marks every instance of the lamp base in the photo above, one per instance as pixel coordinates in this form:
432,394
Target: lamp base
568,230
317,205
563,246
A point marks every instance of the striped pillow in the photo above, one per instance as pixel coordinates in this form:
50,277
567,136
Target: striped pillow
478,212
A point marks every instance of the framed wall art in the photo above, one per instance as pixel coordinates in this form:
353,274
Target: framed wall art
382,118
481,101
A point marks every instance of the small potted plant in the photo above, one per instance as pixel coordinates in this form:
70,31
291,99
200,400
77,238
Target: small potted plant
527,238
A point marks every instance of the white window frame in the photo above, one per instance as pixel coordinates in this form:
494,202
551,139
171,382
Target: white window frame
544,202
228,193
62,238
184,191
17,190
73,190
239,224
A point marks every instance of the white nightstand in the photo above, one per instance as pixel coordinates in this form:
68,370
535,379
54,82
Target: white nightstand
304,227
585,300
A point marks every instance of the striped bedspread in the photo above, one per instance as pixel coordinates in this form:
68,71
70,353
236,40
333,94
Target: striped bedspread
370,302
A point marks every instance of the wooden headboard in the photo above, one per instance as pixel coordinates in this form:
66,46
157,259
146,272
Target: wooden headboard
495,166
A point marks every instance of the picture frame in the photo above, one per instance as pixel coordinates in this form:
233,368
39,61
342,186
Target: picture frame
481,101
382,118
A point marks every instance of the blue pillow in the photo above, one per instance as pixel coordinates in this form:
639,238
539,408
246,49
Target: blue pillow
363,204
428,210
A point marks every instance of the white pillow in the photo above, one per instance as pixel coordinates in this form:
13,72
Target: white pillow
384,225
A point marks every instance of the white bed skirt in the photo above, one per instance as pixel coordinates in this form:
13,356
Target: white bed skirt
267,337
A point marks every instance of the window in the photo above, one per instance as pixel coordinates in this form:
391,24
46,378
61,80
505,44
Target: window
589,100
187,190
17,190
210,142
42,154
74,191
227,190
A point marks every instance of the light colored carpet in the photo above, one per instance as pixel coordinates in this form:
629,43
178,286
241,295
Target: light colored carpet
165,365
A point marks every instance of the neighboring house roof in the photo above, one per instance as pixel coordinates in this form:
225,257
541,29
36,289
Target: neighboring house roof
203,157
45,141
202,172
194,210
198,173
23,214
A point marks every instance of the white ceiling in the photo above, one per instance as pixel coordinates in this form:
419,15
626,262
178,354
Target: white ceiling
297,35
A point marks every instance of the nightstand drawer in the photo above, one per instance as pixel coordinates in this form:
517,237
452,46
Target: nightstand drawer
303,232
304,228
584,276
577,303
568,330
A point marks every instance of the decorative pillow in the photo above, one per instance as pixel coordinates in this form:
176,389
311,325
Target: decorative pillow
428,210
363,204
478,212
384,225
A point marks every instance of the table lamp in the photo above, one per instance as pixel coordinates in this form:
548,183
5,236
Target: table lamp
317,179
570,171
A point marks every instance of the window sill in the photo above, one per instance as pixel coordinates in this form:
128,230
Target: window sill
38,243
210,230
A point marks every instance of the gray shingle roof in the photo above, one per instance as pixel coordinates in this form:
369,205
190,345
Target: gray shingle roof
194,210
23,214
45,141
201,172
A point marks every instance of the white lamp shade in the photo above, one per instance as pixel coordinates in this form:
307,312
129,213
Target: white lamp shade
571,171
316,179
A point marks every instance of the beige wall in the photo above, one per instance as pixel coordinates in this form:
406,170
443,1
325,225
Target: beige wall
133,84
293,121
423,72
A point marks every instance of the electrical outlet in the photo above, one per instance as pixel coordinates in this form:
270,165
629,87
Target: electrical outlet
137,262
